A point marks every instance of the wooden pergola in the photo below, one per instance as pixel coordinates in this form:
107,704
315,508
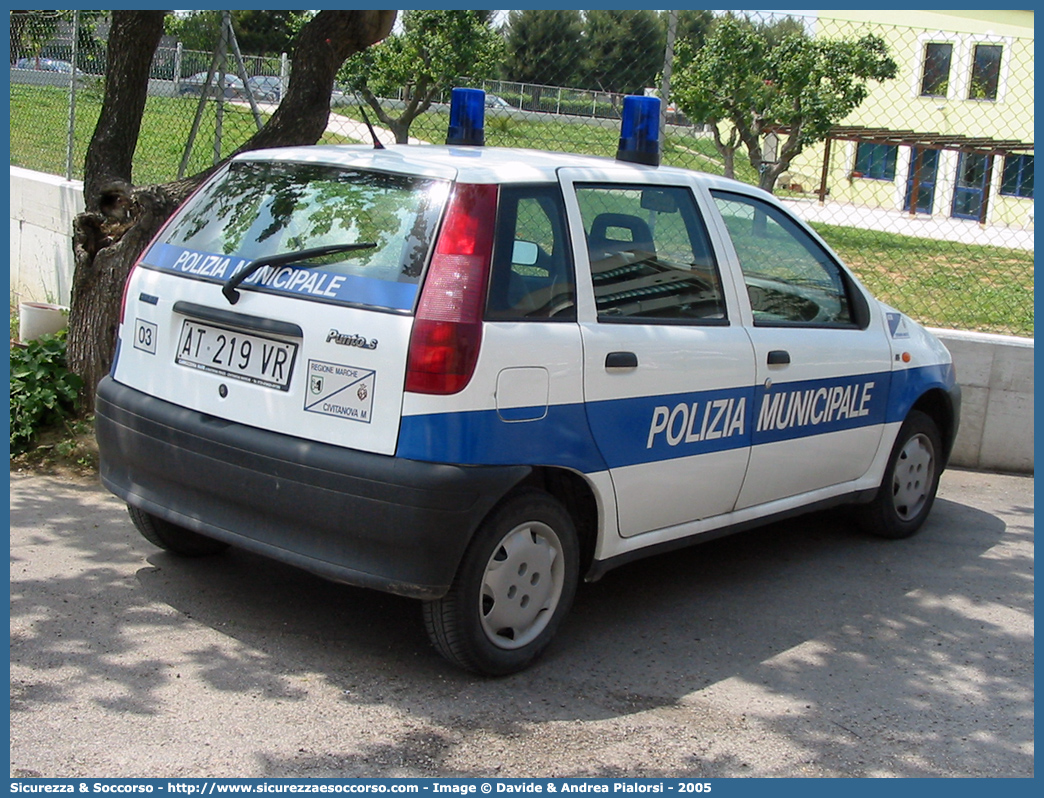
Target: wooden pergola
977,145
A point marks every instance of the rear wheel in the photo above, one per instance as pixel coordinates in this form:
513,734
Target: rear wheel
515,584
172,537
910,482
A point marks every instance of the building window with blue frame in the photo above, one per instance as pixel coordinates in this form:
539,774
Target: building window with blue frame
1018,176
876,161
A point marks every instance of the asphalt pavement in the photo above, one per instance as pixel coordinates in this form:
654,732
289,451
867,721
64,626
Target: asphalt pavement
800,649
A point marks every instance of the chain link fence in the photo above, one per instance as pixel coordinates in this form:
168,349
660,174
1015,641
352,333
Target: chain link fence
925,189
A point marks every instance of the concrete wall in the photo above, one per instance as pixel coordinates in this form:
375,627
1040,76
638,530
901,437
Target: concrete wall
42,210
995,371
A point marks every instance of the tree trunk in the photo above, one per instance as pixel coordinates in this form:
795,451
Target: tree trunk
322,46
120,220
789,150
417,101
401,130
727,150
133,39
770,174
729,156
106,239
101,269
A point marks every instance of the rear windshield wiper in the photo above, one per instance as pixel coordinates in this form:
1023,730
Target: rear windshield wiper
295,258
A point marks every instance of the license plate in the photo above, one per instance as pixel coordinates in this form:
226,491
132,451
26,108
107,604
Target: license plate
241,356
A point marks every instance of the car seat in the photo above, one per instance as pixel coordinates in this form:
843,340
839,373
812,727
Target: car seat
612,233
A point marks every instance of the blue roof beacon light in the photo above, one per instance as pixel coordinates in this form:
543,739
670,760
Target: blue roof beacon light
467,117
640,131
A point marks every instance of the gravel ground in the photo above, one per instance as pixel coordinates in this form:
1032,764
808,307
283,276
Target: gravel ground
801,649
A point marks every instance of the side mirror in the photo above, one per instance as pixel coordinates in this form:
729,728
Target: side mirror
524,253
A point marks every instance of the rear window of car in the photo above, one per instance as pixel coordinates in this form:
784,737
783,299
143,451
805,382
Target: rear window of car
260,209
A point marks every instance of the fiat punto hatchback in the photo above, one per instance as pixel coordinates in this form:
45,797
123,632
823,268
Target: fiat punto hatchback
475,376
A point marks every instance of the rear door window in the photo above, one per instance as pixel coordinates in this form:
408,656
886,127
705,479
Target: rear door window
258,209
650,255
532,276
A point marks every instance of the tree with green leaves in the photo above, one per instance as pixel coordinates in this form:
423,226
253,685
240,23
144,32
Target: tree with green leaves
622,51
536,42
434,51
257,32
30,30
796,87
693,25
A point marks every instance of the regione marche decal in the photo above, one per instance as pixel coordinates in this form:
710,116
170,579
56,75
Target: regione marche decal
341,391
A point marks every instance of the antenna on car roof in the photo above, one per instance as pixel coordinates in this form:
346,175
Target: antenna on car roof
373,133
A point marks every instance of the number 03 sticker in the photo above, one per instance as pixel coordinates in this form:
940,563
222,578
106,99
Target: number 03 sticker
145,336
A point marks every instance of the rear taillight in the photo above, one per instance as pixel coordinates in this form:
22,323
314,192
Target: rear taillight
447,329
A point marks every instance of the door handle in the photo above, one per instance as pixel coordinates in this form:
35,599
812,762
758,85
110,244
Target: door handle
621,360
778,357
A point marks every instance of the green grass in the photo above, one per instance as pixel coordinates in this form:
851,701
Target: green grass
940,283
39,120
39,117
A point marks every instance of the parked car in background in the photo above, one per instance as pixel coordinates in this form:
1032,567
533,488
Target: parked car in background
493,101
266,88
46,65
193,84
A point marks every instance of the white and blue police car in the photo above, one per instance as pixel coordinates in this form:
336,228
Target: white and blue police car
475,375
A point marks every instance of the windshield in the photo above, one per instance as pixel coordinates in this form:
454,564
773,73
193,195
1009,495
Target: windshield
257,210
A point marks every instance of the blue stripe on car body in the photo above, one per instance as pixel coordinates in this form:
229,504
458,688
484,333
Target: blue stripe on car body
651,429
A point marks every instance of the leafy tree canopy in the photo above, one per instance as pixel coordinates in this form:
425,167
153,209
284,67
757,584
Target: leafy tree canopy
758,79
693,25
258,32
622,51
434,52
537,41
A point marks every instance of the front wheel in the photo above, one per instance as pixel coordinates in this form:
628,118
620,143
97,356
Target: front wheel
910,482
515,584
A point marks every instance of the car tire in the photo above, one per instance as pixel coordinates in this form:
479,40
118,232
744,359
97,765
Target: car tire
514,585
910,481
172,537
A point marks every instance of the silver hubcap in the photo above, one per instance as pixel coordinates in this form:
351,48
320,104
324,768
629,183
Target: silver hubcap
522,585
914,472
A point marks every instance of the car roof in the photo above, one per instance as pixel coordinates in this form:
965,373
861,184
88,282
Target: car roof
474,164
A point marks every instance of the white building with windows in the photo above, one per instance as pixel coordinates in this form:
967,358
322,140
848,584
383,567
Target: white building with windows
952,134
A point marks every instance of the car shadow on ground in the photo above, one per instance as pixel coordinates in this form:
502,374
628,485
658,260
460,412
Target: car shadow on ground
809,612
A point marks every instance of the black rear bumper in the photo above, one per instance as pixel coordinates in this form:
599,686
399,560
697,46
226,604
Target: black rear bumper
370,520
